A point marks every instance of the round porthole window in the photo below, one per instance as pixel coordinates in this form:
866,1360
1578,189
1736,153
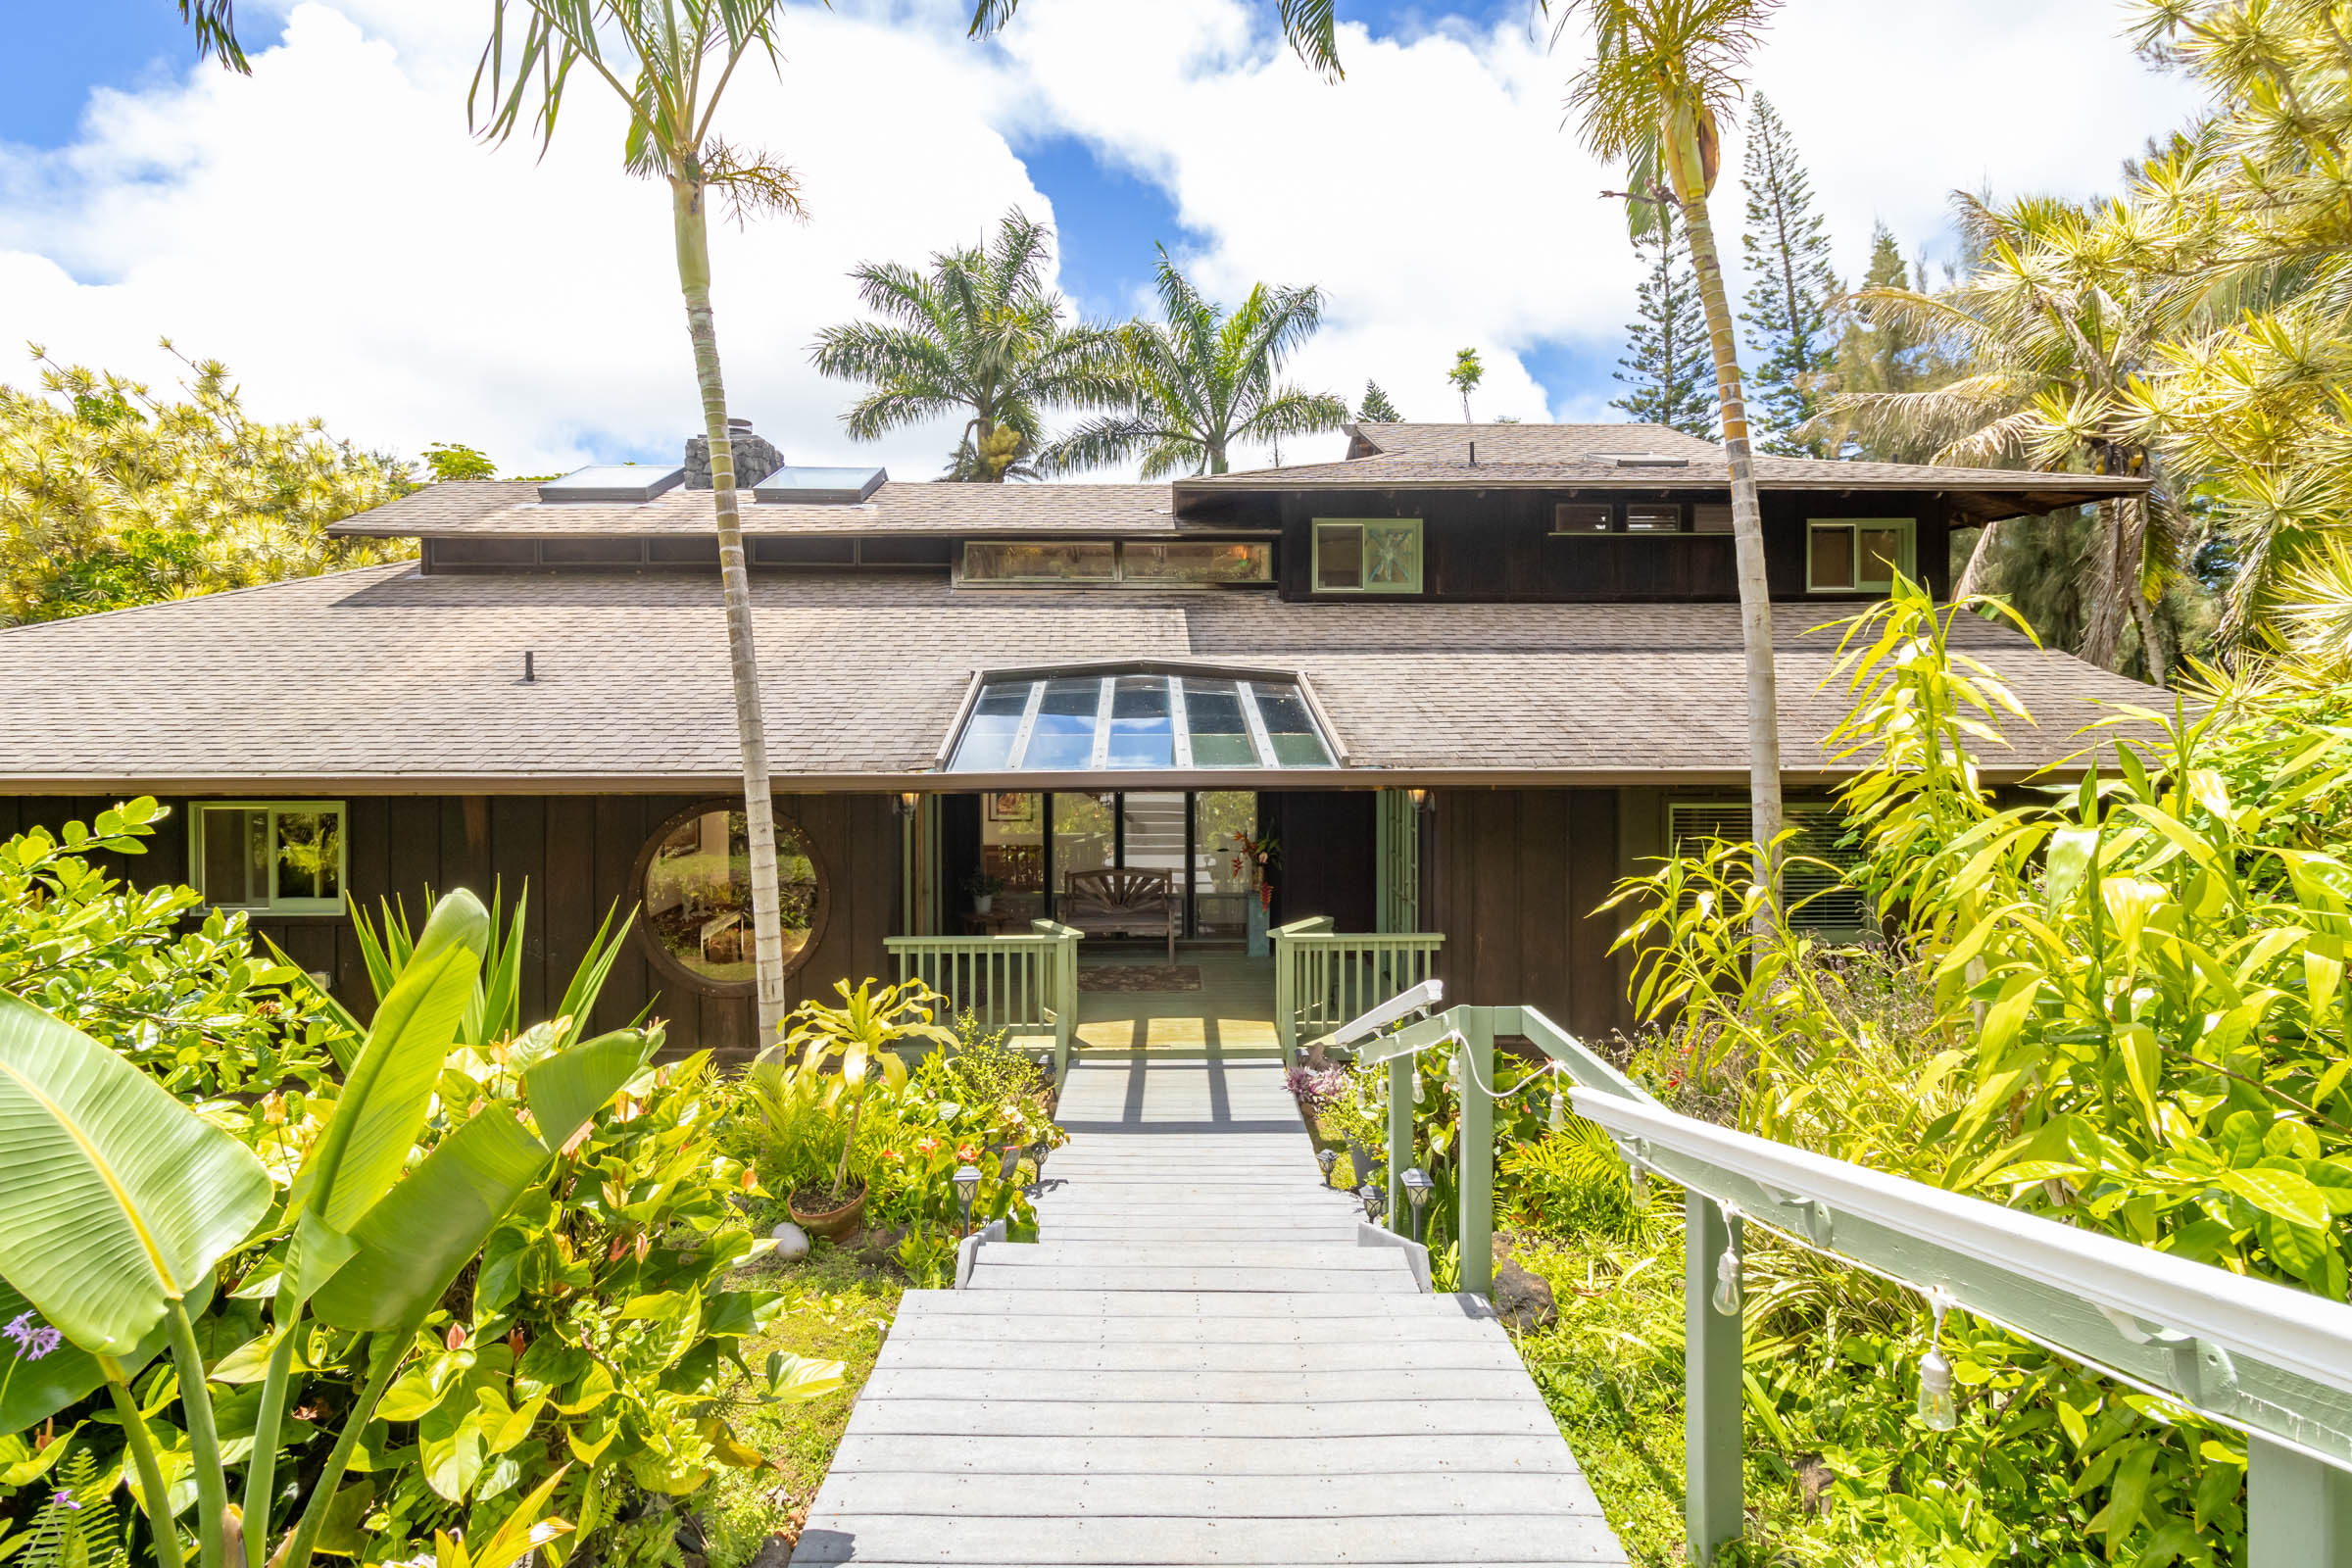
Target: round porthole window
693,879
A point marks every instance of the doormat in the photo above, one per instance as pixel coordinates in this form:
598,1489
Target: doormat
1139,977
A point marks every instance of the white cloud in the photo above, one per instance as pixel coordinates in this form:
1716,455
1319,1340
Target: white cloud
330,229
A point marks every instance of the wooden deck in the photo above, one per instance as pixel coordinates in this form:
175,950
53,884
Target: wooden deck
1198,1363
1234,1009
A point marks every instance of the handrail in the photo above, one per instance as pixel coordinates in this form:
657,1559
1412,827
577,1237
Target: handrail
1013,980
2271,1361
1323,977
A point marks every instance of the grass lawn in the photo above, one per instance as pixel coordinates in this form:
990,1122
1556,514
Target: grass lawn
838,1304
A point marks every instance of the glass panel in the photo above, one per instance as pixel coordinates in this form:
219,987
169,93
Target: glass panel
1213,710
698,893
1017,561
1882,551
1830,556
309,855
1393,556
1339,554
1152,830
1143,731
1223,821
1580,517
1083,839
236,855
1200,563
1289,726
1708,518
1657,517
987,743
1063,736
1012,853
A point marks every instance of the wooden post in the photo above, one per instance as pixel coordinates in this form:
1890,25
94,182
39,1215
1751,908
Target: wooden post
1713,1508
1286,1001
2298,1509
1401,1072
1474,1147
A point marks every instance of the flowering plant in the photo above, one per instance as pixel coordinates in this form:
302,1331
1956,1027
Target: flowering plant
1253,862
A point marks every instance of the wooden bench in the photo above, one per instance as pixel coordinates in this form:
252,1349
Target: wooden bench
1120,902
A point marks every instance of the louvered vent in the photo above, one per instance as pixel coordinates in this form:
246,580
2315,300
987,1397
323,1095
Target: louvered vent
1819,901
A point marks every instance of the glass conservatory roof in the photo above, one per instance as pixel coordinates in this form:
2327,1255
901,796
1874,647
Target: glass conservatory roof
1130,719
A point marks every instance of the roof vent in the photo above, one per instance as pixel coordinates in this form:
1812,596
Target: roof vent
756,457
611,481
818,487
1639,459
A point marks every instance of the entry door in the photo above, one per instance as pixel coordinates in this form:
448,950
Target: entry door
1152,834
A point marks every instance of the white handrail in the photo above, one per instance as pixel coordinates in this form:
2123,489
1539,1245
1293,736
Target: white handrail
1423,997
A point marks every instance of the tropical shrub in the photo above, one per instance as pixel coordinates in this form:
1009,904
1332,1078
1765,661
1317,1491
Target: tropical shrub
2122,1006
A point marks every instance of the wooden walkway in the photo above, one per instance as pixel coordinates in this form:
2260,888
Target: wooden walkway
1198,1363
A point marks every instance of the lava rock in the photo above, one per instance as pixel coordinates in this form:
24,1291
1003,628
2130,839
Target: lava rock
1523,1300
792,1242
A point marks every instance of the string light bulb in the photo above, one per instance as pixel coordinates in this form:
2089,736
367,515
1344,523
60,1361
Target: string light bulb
1939,1411
1559,1112
1727,1267
1641,1184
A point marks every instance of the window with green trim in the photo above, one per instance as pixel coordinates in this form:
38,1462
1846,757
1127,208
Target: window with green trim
1857,555
1367,555
278,856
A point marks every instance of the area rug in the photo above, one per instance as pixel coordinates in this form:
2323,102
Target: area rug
1139,977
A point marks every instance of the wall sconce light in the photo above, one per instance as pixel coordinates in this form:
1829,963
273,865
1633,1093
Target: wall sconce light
1422,799
908,800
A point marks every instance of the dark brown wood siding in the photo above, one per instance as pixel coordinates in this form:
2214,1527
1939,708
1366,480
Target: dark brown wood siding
1496,545
1327,855
1513,881
577,855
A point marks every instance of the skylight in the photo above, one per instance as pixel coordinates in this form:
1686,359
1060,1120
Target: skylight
818,487
613,481
1139,719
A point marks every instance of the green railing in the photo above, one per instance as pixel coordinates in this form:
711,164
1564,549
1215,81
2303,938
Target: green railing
1322,977
2271,1361
1025,982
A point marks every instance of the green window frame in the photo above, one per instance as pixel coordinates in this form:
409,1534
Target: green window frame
1847,555
1367,555
270,856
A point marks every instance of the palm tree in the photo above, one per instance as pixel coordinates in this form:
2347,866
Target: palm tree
669,62
1664,72
1464,377
980,333
1194,384
2065,310
1310,27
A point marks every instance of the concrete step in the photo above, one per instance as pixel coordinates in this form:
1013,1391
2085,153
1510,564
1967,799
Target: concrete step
989,1275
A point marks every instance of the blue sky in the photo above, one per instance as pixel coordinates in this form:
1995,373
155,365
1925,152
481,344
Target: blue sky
330,228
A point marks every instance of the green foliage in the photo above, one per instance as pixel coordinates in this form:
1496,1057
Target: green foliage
1790,287
1376,409
449,460
980,335
2122,1006
1465,375
110,495
1200,381
1668,368
187,1003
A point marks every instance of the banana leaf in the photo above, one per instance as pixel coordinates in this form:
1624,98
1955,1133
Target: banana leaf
385,1100
118,1197
412,1244
34,1391
571,1086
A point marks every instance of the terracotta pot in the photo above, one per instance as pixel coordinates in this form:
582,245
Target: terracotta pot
831,1224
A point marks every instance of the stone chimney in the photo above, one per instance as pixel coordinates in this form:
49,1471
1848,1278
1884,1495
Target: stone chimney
756,457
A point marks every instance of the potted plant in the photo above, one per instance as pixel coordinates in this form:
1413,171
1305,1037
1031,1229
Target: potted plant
1253,862
983,885
861,1032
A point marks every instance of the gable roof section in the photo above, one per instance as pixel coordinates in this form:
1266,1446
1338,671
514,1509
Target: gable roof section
1572,457
385,681
472,509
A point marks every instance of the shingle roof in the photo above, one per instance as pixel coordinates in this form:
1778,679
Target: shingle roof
1557,456
470,508
386,679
